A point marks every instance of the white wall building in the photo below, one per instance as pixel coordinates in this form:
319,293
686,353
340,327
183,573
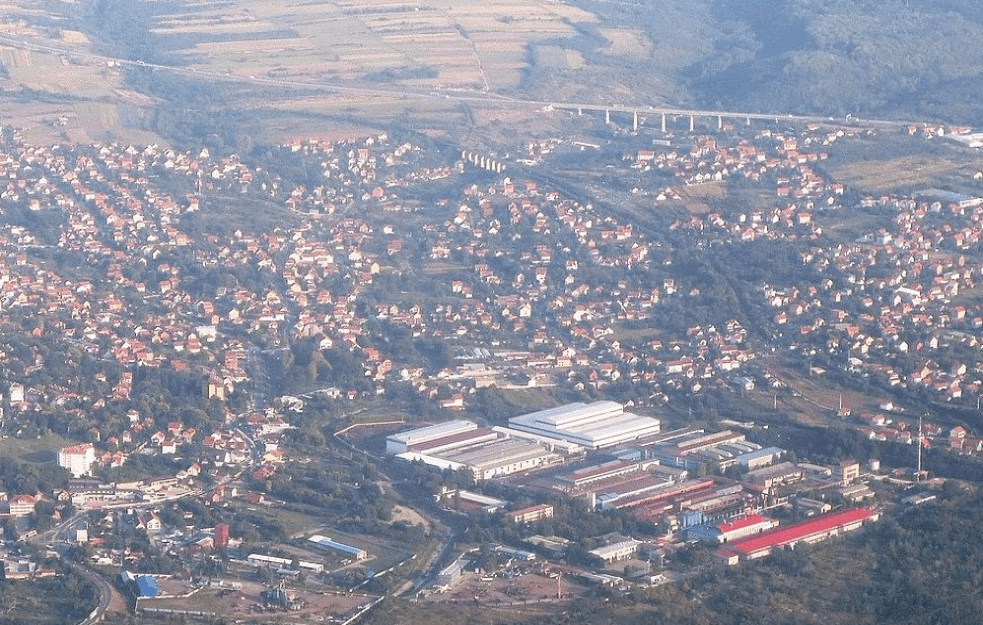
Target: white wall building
78,459
617,551
399,443
595,425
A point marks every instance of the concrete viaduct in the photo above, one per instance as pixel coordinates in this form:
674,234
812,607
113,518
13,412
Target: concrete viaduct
638,114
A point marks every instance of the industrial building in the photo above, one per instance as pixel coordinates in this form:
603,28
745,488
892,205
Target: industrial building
812,507
650,493
810,531
401,442
532,514
769,477
595,425
258,559
454,441
760,457
326,543
461,445
501,457
721,502
849,471
595,473
566,448
450,574
621,550
690,449
283,564
736,529
631,493
466,501
555,546
518,554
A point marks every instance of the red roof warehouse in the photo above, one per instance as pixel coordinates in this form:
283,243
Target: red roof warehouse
811,531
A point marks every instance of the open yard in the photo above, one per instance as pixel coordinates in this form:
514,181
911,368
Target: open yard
900,163
37,450
531,587
241,601
904,172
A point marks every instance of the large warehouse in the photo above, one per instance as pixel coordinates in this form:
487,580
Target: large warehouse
398,443
811,531
460,445
732,530
595,425
502,457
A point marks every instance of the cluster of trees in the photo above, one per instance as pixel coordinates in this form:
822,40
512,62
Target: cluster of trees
26,478
829,445
140,466
346,495
67,598
828,57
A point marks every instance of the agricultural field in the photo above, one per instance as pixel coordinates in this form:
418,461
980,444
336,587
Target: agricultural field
131,71
437,44
626,42
60,97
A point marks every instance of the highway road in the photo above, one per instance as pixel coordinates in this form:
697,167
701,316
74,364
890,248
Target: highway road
468,96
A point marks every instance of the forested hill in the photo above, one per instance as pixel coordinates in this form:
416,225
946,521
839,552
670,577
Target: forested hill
905,59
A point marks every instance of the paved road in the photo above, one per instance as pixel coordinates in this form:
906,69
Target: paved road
457,95
105,593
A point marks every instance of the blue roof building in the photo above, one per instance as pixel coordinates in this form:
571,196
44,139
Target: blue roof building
146,586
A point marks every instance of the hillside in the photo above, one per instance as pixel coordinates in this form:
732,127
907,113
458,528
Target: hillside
898,59
246,70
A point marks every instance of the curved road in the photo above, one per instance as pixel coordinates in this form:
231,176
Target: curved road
105,593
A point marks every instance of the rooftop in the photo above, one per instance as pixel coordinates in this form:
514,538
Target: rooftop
801,531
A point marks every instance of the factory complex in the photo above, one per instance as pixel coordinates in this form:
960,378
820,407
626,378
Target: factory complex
596,425
711,487
531,442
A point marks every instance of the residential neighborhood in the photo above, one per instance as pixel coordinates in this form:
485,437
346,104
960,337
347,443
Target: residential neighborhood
566,370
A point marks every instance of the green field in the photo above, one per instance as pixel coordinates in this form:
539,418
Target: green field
41,449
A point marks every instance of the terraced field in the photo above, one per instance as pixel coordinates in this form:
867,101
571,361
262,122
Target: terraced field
98,72
438,43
